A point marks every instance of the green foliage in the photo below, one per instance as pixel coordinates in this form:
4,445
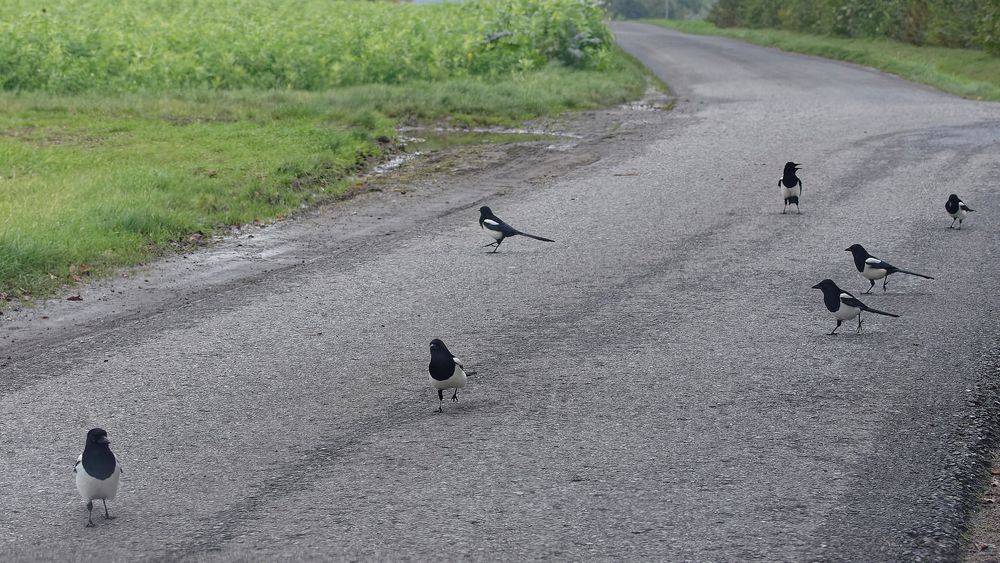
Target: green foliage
948,23
68,46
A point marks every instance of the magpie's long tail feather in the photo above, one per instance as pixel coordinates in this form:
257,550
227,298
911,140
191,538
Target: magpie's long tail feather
877,312
535,236
915,274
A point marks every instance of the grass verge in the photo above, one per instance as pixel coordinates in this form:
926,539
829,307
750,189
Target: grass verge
92,182
964,72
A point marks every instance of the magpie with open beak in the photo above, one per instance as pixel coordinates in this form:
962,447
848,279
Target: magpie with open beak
872,268
843,305
496,228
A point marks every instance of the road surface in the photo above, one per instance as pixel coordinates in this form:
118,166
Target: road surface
657,384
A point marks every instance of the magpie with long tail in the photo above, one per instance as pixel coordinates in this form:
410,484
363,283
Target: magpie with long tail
496,228
872,268
957,209
446,372
97,473
843,305
791,187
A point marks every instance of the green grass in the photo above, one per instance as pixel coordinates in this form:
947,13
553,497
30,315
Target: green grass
92,182
964,72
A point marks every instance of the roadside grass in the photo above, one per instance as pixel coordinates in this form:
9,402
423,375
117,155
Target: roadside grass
964,72
95,181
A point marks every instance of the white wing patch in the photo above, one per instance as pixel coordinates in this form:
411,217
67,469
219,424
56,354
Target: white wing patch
873,261
491,222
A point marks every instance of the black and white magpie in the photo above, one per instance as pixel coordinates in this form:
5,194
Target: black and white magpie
843,305
791,187
446,372
499,230
872,268
957,209
97,473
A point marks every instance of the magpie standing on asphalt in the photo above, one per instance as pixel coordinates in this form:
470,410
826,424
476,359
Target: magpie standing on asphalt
843,305
97,473
791,187
496,228
957,209
872,268
446,372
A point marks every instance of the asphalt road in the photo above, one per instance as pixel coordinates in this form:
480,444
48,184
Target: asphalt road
655,385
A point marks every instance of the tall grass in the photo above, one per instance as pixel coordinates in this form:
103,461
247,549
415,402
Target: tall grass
67,46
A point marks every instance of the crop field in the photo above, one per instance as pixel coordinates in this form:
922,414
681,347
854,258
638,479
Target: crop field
125,131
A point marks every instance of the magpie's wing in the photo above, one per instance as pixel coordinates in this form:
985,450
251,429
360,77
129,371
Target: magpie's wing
460,366
851,301
79,460
961,205
880,264
499,226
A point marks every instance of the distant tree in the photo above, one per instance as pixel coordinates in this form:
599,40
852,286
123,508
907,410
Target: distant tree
670,9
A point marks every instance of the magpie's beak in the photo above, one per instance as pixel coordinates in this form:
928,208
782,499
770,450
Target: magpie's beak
103,440
847,250
817,286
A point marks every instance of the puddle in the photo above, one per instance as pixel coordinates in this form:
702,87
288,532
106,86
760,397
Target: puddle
422,139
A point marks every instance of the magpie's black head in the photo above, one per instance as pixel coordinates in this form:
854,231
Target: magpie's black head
953,198
856,249
438,346
825,285
485,212
790,168
97,436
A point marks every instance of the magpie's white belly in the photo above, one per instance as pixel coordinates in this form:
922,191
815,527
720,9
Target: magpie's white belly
873,274
845,312
960,214
91,488
495,234
791,192
457,379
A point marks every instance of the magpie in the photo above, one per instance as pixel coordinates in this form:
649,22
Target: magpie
499,230
791,187
97,472
872,268
957,209
843,305
446,372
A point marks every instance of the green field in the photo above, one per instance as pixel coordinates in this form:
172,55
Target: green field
964,72
123,132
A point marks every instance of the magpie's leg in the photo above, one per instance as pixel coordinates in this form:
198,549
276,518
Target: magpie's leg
798,210
490,244
454,397
959,224
440,400
952,226
90,514
858,330
106,515
885,282
498,246
834,331
872,286
784,209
